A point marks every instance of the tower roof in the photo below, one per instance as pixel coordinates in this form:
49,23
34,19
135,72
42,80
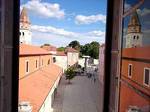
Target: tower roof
24,17
134,20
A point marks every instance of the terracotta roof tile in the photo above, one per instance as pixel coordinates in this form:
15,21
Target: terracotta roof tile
31,50
49,48
35,87
69,49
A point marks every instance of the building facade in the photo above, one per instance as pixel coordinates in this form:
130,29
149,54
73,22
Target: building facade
101,63
38,79
135,79
61,59
72,56
38,75
64,59
135,70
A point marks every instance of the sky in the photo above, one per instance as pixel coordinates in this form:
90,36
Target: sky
59,22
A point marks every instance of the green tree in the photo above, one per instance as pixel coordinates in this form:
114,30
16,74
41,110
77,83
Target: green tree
69,73
94,50
75,44
61,49
91,49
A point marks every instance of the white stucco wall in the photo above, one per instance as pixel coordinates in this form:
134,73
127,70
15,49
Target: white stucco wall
101,64
73,58
61,61
96,61
81,62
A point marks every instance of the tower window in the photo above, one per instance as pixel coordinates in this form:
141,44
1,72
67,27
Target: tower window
134,37
19,33
137,37
23,33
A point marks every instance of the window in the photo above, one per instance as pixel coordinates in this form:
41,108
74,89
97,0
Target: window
36,63
54,59
147,76
137,37
27,66
42,62
23,33
48,62
130,70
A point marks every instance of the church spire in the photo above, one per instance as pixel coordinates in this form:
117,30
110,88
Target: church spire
24,19
134,25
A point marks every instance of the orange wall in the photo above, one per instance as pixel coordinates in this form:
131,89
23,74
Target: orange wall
137,71
32,63
128,97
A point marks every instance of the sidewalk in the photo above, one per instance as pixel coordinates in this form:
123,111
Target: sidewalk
80,96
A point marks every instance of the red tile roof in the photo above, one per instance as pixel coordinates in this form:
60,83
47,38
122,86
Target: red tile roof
49,48
35,87
69,49
61,53
137,52
31,50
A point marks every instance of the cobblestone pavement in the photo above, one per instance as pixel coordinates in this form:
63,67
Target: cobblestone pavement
80,96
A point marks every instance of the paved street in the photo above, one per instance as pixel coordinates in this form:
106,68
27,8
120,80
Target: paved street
80,96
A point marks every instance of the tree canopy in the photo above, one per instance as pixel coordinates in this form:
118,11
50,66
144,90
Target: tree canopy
90,49
75,44
61,49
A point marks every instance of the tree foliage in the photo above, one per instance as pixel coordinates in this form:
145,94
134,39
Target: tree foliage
75,44
69,73
91,49
61,49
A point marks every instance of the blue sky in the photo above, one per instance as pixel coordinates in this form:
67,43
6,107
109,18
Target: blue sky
59,22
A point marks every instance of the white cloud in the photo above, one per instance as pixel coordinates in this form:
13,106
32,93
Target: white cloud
97,33
53,30
44,9
61,37
81,19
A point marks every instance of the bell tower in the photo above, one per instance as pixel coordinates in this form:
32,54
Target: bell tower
134,34
25,30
